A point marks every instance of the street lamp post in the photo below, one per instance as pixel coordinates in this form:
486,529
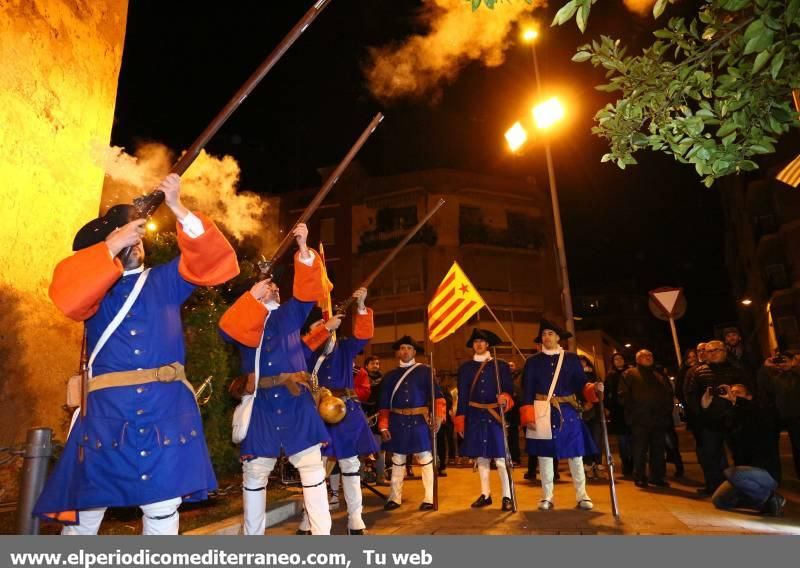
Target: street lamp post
566,295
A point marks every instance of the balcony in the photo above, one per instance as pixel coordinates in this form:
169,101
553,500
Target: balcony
377,239
479,234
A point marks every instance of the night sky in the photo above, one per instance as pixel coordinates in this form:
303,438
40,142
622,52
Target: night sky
654,223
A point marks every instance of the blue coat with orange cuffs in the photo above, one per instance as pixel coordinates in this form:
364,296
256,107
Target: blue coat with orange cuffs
410,434
483,434
279,420
142,444
571,437
352,435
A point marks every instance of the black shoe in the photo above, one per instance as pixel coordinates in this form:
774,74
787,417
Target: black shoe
391,506
482,501
507,504
641,483
704,492
660,483
354,532
426,506
442,473
302,532
556,476
774,505
679,473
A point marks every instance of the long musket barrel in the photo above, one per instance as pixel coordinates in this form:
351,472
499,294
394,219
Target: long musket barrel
434,449
345,304
268,266
149,203
509,461
612,486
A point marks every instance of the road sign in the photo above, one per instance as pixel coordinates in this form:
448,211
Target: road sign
669,304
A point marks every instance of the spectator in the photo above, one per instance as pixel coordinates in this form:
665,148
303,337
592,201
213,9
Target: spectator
779,397
646,396
749,488
591,417
445,443
616,413
512,416
708,399
372,365
737,354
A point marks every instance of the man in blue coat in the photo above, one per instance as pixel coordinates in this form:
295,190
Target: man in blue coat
140,440
552,379
284,416
405,422
332,361
477,417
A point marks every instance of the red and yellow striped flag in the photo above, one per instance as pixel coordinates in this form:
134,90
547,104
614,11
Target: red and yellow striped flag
790,175
456,300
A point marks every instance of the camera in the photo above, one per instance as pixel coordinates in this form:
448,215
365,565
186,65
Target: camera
779,359
721,391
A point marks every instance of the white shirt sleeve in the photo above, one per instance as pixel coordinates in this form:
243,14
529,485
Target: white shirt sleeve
307,261
192,225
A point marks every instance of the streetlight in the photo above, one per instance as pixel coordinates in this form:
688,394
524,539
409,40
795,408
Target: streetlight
747,302
545,115
516,136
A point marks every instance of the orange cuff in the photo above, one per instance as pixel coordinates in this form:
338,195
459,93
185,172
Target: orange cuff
527,415
589,394
67,517
504,396
460,424
383,419
81,281
316,337
440,408
308,279
364,328
209,259
244,320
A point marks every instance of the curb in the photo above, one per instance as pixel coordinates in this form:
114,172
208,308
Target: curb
233,525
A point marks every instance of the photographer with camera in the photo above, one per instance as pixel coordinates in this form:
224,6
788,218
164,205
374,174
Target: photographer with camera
779,399
709,398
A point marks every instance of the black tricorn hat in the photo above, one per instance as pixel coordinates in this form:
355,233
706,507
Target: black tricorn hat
313,316
408,340
546,324
97,230
488,336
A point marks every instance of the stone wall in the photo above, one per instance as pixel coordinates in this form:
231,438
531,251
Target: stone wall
59,66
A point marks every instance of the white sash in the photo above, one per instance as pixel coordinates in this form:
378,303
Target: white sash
542,428
403,378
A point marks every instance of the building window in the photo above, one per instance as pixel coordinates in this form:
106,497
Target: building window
327,230
396,219
592,304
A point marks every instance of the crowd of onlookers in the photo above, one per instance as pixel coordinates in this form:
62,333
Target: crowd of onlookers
734,407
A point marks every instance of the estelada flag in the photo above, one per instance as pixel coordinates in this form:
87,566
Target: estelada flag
456,300
790,175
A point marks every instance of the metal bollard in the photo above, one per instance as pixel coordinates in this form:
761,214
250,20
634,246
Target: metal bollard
38,451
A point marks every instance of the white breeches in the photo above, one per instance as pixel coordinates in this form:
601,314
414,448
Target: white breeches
399,473
575,470
483,473
159,518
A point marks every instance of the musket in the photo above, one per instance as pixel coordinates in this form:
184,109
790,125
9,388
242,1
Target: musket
84,370
509,461
434,449
343,306
609,456
147,204
267,267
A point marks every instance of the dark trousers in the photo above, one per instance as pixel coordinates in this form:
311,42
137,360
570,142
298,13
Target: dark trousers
773,458
674,450
712,457
513,443
649,440
625,444
445,445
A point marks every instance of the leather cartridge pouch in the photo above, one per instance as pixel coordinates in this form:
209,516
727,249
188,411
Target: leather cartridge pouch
74,391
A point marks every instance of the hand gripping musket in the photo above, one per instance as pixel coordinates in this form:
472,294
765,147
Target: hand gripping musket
609,456
509,461
267,267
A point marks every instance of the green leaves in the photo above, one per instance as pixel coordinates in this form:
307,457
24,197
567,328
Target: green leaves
565,13
712,91
658,8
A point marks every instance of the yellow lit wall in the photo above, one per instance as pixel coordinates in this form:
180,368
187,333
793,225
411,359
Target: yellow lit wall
59,65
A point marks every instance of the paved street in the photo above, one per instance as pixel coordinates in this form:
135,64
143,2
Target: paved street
676,510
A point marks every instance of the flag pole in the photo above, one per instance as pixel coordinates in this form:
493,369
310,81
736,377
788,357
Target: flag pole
524,358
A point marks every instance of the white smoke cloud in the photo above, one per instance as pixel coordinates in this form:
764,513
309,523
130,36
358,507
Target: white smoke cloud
210,185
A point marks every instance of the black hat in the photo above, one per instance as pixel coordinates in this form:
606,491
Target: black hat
408,340
97,230
546,324
730,328
488,336
314,315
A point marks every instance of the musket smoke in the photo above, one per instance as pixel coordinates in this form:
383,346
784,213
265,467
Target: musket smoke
209,185
422,64
641,7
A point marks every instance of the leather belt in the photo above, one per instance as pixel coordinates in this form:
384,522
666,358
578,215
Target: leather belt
416,411
490,406
165,374
291,381
345,394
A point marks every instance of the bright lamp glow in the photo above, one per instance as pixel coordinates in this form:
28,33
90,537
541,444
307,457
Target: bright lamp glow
151,226
747,302
516,136
529,35
548,113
